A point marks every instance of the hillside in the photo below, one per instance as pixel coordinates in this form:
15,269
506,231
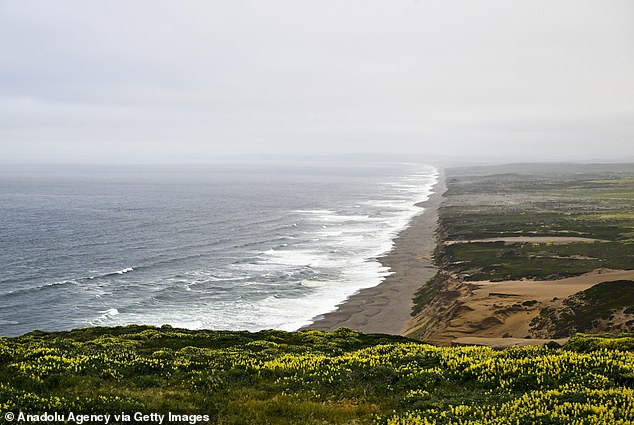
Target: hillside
607,306
311,377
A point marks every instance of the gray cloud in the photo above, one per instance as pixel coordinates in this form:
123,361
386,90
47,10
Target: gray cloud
87,80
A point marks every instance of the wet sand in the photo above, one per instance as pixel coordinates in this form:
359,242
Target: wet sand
386,307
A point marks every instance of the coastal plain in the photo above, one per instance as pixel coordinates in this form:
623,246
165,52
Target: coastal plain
528,253
508,255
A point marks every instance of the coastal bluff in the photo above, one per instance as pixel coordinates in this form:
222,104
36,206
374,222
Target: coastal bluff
530,252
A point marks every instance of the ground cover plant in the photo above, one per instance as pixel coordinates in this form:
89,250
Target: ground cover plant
513,261
539,200
609,305
313,377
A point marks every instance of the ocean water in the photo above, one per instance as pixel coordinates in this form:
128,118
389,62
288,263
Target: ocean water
250,246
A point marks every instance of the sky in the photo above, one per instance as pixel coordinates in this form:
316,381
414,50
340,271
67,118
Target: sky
189,80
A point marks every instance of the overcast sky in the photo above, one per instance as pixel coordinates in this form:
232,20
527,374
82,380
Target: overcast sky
157,80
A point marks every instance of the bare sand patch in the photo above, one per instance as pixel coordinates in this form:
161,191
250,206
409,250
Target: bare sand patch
505,309
505,342
530,239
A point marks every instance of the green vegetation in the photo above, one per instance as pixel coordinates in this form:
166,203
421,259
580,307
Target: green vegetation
513,261
585,311
311,377
465,223
539,200
532,200
434,287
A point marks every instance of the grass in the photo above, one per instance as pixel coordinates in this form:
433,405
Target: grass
502,261
469,223
585,201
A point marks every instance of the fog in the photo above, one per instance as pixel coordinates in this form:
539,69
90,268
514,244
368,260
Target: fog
163,81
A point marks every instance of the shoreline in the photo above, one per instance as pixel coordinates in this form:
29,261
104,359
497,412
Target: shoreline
386,308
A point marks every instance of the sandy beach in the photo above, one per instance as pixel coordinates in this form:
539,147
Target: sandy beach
386,307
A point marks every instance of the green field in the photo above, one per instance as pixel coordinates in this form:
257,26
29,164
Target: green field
595,202
310,377
513,261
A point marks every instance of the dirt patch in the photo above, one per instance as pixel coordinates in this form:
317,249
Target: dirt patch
487,309
530,239
505,342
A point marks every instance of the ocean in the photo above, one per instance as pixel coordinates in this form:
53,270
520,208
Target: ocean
222,246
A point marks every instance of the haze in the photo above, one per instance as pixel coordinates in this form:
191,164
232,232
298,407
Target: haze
149,80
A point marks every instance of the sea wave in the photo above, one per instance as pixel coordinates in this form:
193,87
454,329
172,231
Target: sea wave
268,263
115,273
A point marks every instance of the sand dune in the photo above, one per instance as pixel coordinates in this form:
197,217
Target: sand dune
504,309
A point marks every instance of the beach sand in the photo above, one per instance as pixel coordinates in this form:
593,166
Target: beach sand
386,307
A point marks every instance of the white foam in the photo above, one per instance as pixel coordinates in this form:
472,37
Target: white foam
393,204
331,233
314,211
106,316
343,218
126,270
362,238
40,287
118,272
333,256
215,276
299,257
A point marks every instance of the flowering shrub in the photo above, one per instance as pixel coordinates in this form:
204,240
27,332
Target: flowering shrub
315,377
